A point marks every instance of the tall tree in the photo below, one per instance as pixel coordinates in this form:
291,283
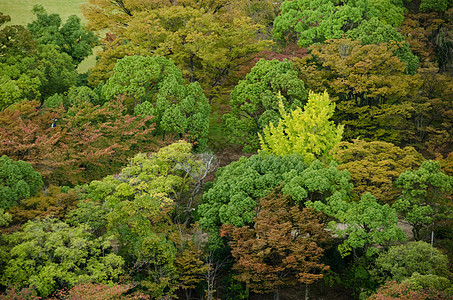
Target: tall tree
254,101
309,22
283,248
71,37
80,145
157,89
308,132
51,255
371,85
207,40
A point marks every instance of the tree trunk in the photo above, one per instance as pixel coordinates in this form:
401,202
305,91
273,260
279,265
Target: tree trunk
277,293
307,291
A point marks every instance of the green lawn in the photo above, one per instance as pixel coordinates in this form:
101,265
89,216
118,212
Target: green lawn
20,11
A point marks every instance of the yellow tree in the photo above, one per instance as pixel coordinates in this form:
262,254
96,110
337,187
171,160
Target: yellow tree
309,132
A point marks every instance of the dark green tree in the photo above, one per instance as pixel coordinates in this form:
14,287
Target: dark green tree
18,181
72,38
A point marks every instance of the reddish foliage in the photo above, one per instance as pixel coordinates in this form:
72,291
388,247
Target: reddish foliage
282,249
12,293
94,291
86,143
404,291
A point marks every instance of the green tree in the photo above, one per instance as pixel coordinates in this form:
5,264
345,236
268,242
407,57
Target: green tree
401,262
18,181
50,255
71,38
157,88
283,248
308,132
425,196
309,22
254,101
374,166
368,226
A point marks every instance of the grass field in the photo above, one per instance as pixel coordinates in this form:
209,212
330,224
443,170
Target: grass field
20,13
20,10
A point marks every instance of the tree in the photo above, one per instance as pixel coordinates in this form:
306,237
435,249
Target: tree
254,101
369,226
374,166
234,195
61,145
308,132
371,85
157,88
283,248
50,255
55,202
309,22
405,291
205,40
401,262
146,208
18,181
425,196
71,38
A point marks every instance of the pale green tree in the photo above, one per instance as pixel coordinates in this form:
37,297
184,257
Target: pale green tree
308,132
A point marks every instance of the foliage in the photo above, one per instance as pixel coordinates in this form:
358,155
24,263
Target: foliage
12,293
157,88
80,145
50,255
432,113
430,281
71,38
308,132
401,262
371,86
283,247
375,165
53,202
254,101
425,196
18,180
405,291
96,291
233,197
